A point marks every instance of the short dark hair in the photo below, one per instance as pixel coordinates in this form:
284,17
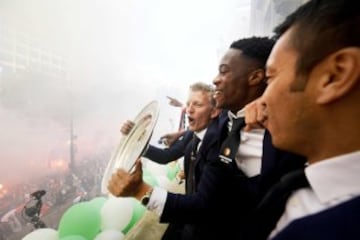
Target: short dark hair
256,48
321,27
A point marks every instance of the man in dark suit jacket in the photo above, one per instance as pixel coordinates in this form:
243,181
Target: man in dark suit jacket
202,117
201,113
226,187
319,80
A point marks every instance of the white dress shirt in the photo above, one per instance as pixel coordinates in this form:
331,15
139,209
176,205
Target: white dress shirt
333,181
248,157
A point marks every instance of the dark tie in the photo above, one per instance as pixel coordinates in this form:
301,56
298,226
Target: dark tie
273,204
190,183
230,145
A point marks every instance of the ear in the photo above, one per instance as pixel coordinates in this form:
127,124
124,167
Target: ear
341,73
256,77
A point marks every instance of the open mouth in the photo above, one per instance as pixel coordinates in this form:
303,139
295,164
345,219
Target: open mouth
191,120
217,93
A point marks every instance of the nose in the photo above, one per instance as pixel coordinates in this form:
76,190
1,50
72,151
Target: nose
189,109
216,80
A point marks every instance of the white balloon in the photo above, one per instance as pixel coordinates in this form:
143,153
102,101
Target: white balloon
110,234
42,233
155,168
170,185
116,213
164,182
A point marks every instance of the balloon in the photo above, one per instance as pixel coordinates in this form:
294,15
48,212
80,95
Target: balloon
42,233
138,212
164,182
154,168
116,213
149,178
71,237
172,171
98,203
172,186
110,235
80,219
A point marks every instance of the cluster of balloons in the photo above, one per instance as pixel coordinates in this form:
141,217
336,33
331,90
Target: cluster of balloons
103,218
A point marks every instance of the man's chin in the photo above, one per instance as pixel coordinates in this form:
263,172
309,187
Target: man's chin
193,129
219,103
283,143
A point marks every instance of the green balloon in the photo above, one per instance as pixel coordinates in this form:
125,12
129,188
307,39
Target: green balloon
138,213
172,171
80,219
97,203
73,237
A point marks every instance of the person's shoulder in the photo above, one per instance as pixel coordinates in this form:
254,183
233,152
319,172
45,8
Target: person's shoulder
223,114
222,118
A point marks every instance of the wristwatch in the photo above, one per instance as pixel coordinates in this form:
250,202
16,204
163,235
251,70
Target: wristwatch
145,199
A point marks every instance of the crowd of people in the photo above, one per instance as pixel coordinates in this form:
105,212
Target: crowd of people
61,189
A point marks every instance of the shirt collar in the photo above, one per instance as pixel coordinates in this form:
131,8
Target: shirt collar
232,116
239,114
335,177
201,134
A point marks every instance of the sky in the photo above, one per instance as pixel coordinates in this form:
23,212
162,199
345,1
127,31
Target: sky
119,56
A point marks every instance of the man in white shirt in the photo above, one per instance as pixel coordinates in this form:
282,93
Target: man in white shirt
311,107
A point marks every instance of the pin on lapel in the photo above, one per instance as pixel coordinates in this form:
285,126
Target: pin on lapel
227,151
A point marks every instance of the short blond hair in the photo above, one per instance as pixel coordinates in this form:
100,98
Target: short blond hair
205,88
